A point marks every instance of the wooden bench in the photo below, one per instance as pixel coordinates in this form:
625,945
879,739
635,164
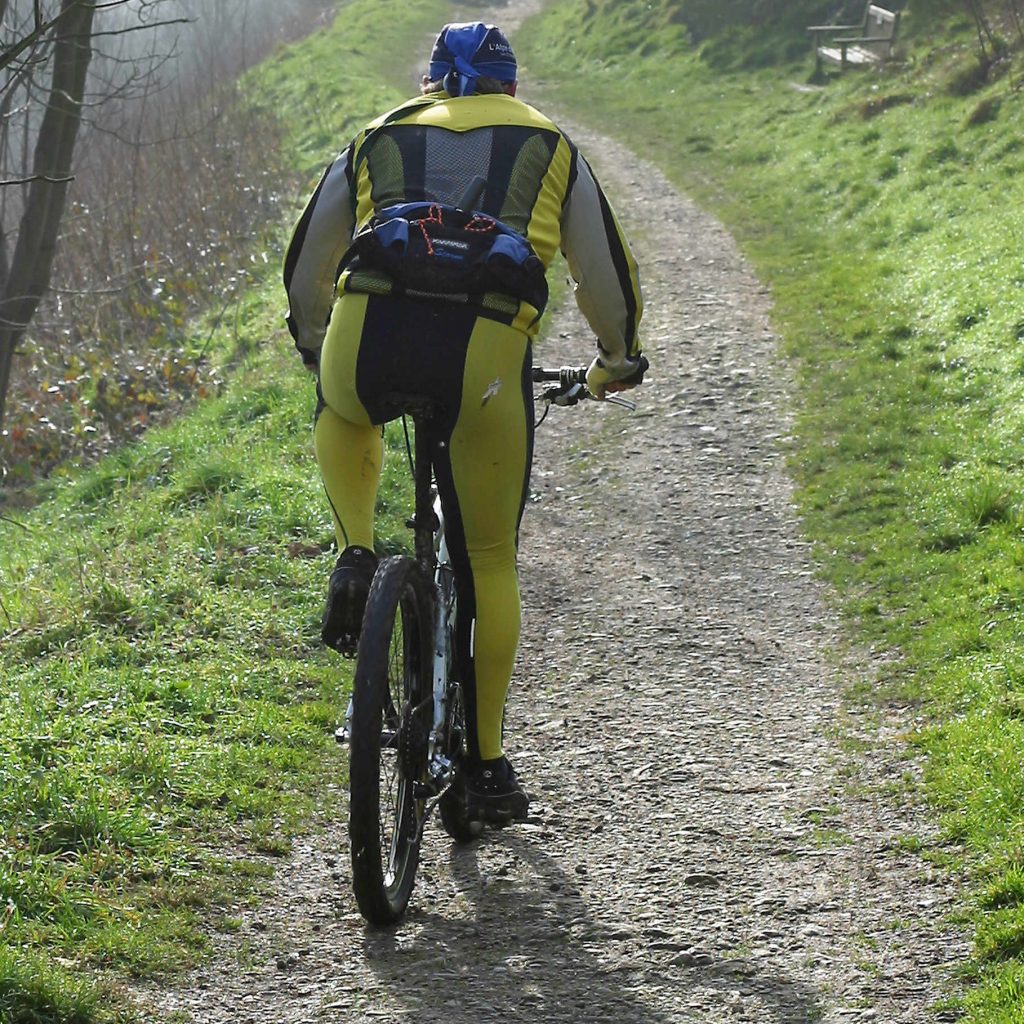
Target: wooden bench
876,36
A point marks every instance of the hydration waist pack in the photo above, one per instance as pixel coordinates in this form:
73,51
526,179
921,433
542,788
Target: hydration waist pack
438,250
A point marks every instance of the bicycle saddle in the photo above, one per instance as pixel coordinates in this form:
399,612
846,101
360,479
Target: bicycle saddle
420,407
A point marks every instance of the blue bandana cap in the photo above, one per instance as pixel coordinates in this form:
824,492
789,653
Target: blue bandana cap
470,50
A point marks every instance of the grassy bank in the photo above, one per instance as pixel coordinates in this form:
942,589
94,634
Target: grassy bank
167,720
883,210
166,728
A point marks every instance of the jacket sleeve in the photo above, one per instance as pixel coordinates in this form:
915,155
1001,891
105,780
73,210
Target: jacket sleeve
322,235
602,265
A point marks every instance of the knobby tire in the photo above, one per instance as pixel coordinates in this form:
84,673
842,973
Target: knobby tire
387,748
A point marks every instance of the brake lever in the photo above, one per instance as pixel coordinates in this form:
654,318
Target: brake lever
624,402
559,395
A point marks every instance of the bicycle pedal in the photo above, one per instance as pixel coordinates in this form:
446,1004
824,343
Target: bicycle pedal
347,645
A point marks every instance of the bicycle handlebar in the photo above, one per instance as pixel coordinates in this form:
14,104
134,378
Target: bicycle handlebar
569,376
569,385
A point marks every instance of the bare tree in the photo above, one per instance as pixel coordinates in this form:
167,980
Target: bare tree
176,199
28,272
55,43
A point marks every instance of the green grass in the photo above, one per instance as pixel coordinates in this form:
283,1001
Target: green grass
168,713
167,716
882,210
166,728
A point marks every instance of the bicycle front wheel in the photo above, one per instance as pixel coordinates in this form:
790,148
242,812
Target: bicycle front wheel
391,716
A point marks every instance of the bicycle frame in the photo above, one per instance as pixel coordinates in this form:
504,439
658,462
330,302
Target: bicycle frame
432,555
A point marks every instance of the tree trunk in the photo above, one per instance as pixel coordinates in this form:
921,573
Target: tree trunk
40,222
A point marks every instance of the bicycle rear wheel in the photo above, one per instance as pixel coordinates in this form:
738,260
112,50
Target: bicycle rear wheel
391,715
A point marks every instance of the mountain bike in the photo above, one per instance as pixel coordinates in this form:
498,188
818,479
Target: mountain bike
405,728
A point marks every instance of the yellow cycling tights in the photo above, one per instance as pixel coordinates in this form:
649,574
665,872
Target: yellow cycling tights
478,370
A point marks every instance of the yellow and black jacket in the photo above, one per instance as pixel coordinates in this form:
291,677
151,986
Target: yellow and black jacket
520,168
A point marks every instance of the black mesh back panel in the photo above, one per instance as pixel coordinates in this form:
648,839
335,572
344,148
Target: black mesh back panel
453,159
412,163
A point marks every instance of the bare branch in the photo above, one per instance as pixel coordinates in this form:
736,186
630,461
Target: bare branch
42,27
37,177
128,29
142,28
11,53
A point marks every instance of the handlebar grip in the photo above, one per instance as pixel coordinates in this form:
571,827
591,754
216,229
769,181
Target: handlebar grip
565,375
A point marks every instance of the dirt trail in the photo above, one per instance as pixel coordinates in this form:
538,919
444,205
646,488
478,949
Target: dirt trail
704,848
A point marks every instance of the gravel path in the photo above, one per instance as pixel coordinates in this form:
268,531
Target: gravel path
706,844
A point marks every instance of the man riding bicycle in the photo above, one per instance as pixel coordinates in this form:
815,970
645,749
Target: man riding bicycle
418,267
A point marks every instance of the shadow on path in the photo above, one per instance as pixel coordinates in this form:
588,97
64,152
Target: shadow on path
520,946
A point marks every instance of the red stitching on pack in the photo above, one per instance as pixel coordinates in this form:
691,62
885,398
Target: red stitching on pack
435,215
426,237
486,224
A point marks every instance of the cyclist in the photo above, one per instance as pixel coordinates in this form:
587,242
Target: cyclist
428,301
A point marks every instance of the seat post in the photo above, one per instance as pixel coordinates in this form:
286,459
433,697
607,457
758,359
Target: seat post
424,516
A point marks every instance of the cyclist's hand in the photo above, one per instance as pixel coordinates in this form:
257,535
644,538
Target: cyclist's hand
605,377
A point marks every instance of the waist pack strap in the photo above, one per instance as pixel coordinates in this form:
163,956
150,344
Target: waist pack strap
437,249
